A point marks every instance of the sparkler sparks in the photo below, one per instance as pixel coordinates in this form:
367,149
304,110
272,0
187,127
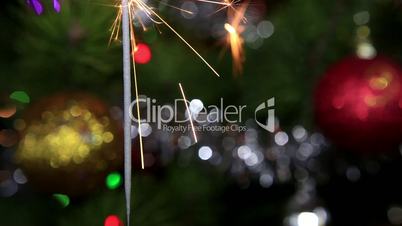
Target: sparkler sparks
129,12
134,7
190,116
233,39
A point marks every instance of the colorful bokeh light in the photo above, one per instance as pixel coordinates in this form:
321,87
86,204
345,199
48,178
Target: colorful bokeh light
20,96
113,220
64,200
142,54
65,137
8,111
113,180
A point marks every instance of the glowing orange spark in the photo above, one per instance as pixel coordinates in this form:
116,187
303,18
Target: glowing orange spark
234,40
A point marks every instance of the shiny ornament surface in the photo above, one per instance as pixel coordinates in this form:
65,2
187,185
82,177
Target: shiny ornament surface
69,144
358,104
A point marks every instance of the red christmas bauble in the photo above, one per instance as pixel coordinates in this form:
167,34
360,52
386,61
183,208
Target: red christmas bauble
358,104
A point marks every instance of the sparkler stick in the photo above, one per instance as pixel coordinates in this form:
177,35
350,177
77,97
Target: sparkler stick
127,103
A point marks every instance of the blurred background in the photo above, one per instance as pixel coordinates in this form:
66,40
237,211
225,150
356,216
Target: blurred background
333,67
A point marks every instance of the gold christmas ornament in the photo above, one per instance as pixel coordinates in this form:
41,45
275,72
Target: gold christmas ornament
69,144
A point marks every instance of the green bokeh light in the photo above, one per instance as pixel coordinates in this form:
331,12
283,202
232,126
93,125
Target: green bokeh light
113,180
20,96
64,200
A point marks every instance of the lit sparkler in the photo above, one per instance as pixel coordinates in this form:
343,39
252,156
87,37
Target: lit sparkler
127,14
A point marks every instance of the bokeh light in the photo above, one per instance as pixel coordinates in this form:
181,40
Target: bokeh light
63,199
395,215
361,18
8,187
184,142
299,133
366,50
266,180
142,54
146,129
65,137
205,153
21,97
113,180
281,138
244,152
19,177
113,220
353,174
8,111
307,219
265,29
196,106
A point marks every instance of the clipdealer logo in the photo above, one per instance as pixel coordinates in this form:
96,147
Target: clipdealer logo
269,107
212,118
